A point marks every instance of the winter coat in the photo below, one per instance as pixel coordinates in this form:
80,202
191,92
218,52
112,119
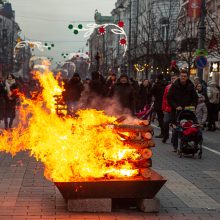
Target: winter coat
165,106
144,96
201,111
157,92
73,90
3,95
213,92
182,95
97,87
124,93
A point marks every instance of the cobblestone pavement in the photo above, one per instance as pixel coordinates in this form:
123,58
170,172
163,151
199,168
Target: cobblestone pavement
192,190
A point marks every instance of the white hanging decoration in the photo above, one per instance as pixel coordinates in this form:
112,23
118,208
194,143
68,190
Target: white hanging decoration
114,28
32,44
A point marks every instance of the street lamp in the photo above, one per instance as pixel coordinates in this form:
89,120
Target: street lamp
129,44
202,33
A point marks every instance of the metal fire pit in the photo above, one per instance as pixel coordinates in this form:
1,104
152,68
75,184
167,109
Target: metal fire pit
139,187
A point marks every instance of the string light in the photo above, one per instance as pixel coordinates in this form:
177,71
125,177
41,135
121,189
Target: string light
140,68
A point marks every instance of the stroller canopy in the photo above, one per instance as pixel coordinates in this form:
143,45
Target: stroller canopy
187,115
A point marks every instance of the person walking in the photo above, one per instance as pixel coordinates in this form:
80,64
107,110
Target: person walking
213,102
111,81
157,92
167,109
181,94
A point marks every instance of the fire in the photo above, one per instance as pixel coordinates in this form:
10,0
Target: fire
72,149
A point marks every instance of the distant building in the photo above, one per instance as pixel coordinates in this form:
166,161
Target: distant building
9,30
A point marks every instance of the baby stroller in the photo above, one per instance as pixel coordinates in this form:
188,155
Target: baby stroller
146,113
190,134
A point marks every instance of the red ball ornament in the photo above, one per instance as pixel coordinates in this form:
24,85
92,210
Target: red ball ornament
102,30
77,55
123,41
87,53
121,24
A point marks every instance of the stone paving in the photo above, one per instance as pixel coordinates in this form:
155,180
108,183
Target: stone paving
26,194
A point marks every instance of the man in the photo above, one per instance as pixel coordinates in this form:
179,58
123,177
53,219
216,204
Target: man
167,109
181,94
73,92
157,92
124,93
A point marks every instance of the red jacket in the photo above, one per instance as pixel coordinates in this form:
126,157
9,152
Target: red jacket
165,106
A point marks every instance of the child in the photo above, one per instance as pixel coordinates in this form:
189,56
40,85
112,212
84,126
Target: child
201,110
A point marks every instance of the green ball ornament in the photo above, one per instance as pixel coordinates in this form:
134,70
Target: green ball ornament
49,48
75,31
70,26
45,44
80,26
52,45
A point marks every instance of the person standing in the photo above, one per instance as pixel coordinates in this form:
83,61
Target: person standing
124,93
110,83
181,94
144,97
167,109
3,95
157,92
213,102
11,100
72,93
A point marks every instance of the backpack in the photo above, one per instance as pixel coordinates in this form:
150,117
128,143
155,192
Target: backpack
214,99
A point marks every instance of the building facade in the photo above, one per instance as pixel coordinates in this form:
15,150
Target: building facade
9,30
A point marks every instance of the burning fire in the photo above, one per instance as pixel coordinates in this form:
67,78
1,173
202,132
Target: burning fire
72,149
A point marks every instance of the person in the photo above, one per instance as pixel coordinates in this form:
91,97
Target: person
124,93
144,96
200,90
72,93
167,109
201,111
157,92
197,81
3,94
181,94
213,101
111,81
11,100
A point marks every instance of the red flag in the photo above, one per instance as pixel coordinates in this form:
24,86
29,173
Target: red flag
213,43
194,8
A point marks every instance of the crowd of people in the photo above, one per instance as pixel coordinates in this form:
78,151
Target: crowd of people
169,97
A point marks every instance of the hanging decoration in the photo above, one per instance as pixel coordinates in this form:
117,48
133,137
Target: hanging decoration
102,28
31,44
140,68
49,46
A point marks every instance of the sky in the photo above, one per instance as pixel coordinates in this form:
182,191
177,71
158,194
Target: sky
48,20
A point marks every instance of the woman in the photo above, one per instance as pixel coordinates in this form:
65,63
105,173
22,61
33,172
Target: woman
11,100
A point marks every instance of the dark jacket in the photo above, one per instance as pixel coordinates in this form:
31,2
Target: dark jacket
73,90
125,95
182,95
144,96
3,95
157,92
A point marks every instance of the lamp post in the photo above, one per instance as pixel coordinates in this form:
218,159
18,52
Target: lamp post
129,43
202,33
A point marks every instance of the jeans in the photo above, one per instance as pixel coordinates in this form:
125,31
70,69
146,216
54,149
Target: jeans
166,124
160,119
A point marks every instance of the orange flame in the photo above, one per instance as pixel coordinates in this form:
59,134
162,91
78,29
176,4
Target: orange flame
72,149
